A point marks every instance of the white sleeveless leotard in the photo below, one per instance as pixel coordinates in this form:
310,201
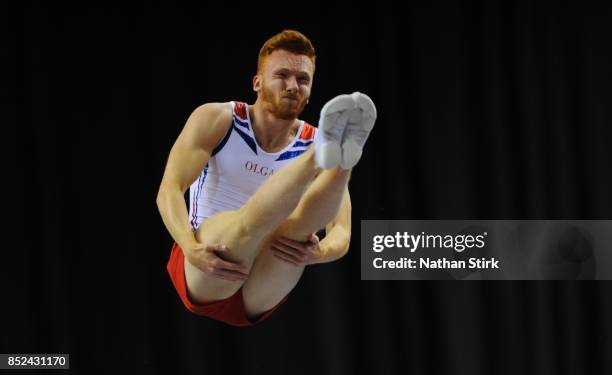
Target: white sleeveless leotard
238,166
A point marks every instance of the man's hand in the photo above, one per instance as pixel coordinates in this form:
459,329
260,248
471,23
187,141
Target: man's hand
206,259
297,253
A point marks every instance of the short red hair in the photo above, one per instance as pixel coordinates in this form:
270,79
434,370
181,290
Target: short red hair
290,41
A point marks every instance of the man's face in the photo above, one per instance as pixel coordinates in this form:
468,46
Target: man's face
284,83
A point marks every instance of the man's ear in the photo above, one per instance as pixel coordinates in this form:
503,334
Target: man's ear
256,83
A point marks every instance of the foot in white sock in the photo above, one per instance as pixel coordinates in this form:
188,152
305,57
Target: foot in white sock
360,124
334,118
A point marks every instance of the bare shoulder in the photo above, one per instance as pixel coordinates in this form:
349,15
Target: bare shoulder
212,111
212,115
208,124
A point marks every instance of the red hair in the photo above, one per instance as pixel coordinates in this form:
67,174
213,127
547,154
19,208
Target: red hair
290,41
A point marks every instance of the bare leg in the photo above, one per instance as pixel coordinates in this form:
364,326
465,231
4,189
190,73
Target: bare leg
243,231
345,125
271,279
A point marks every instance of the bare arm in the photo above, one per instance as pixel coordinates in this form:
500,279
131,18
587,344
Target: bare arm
336,242
203,131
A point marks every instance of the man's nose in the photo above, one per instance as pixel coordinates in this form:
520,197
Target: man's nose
292,84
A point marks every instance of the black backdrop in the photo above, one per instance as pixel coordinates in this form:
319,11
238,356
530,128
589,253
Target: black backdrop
486,111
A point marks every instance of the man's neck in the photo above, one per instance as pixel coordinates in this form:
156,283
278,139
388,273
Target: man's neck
272,133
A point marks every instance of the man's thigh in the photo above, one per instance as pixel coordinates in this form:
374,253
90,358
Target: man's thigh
270,280
222,228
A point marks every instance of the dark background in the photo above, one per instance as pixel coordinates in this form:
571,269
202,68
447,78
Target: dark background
486,111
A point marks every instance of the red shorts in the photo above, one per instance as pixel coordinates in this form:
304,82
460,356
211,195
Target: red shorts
230,310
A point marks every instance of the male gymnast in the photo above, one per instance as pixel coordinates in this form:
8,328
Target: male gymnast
262,183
